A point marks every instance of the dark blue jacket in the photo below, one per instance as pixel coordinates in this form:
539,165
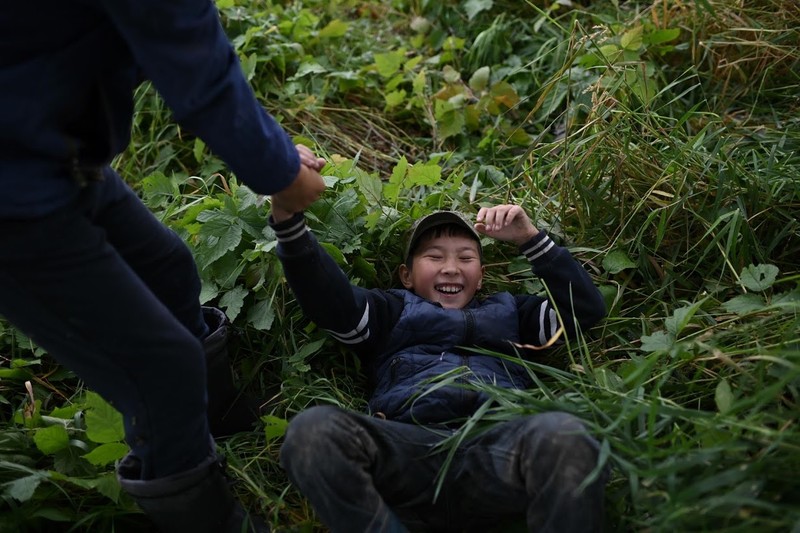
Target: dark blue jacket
428,341
68,70
405,341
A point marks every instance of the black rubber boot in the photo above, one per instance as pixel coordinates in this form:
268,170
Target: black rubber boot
229,410
197,501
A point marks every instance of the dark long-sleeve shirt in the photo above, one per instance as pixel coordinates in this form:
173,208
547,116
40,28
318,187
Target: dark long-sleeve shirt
67,75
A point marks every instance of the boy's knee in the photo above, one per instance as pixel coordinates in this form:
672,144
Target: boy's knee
562,435
309,432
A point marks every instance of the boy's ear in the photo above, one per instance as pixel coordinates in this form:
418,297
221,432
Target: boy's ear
405,276
480,281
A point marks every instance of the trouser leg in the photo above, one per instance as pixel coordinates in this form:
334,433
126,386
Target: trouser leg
532,467
359,472
112,295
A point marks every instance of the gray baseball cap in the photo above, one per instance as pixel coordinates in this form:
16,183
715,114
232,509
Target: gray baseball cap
439,218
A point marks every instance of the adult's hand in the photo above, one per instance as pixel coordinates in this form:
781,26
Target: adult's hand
308,158
306,188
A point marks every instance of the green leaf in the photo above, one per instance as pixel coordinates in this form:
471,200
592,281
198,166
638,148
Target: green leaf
335,28
198,149
632,39
759,277
616,261
479,79
51,439
424,173
503,93
232,301
274,427
389,63
609,380
261,315
105,454
334,252
103,422
249,64
610,53
298,359
420,83
391,190
723,396
681,317
660,341
307,68
371,187
218,235
744,304
449,120
365,270
662,36
22,489
108,486
473,7
789,299
395,98
450,74
208,290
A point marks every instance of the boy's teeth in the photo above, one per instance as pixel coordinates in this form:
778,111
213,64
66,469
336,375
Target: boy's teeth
450,289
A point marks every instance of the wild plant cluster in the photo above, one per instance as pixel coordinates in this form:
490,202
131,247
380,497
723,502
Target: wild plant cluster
659,140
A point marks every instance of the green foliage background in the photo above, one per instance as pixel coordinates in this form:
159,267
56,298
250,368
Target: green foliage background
657,139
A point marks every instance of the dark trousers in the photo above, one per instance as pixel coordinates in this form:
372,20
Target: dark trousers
112,294
362,473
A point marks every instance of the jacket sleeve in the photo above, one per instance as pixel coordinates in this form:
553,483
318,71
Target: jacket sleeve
357,317
572,299
182,48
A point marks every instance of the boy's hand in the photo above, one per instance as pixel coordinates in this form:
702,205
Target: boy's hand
303,191
506,223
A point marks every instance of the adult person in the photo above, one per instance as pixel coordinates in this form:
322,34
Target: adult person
85,269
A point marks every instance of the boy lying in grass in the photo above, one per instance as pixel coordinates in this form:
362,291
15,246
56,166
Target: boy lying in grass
379,472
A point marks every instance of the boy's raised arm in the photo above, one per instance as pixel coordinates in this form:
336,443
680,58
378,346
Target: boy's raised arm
353,315
571,294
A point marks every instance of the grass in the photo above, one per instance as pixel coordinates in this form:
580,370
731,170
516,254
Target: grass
670,167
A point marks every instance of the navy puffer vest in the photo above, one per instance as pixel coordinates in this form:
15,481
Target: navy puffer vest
429,341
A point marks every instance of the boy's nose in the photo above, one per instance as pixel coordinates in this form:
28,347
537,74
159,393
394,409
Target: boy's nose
450,267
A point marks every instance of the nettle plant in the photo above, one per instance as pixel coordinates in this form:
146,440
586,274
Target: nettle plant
50,455
357,221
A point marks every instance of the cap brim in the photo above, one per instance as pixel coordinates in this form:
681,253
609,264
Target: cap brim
439,218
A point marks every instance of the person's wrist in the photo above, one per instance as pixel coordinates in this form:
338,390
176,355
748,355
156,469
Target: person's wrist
280,215
532,233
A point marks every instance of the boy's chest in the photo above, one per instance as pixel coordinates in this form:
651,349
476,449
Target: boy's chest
490,324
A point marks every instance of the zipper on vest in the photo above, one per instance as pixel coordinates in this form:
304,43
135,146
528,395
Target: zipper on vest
469,327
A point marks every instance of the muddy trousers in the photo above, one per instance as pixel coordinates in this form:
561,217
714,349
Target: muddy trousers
362,473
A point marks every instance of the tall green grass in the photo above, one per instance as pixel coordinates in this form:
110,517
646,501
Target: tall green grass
658,140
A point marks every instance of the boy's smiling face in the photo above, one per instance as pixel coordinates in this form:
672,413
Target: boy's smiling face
445,269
